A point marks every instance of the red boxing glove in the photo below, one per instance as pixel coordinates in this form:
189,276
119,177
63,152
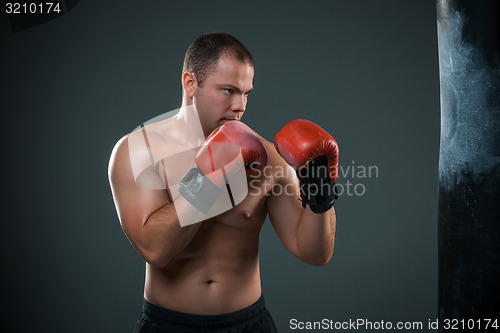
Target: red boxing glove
217,161
314,154
216,154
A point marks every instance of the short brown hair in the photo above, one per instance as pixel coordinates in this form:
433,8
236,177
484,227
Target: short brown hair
203,54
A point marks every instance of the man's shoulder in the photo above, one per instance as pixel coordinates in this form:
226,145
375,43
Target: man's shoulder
119,165
268,145
119,150
273,158
276,167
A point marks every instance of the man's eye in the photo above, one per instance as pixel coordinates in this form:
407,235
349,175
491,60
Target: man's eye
228,91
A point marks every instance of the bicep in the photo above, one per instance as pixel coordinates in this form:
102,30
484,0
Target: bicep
134,204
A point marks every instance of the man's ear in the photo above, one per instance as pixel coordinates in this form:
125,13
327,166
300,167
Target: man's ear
189,83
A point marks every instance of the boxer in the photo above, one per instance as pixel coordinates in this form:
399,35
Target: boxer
205,276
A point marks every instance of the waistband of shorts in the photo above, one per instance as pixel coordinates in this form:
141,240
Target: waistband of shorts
254,312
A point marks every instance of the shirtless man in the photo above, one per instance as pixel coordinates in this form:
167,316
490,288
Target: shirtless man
205,276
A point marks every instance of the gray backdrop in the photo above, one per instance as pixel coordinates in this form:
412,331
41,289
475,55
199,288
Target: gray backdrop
366,71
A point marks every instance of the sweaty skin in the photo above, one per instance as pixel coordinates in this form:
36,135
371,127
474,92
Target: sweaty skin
212,267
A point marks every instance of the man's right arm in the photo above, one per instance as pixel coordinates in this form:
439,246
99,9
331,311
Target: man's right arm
147,216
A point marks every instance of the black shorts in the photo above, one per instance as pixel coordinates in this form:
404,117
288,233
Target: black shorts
255,318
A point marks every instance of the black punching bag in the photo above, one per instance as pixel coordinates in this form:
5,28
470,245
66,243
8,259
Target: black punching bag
469,161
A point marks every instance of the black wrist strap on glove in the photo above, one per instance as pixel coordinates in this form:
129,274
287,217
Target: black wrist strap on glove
316,190
199,190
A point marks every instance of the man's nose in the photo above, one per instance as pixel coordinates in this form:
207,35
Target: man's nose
239,103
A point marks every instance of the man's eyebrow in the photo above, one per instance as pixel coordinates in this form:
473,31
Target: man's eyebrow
236,88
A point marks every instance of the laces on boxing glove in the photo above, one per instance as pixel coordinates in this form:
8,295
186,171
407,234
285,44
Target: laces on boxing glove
316,189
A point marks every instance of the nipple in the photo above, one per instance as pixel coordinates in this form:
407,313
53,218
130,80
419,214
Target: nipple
246,214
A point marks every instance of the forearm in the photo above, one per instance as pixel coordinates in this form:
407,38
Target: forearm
316,236
162,235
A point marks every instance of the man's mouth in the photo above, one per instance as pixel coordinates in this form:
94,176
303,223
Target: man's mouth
225,120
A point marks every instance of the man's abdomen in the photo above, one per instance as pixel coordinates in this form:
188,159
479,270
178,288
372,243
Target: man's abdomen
217,273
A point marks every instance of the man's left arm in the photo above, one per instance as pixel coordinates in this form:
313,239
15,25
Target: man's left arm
309,157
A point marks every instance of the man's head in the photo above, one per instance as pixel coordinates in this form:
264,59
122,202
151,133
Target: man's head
202,55
217,78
